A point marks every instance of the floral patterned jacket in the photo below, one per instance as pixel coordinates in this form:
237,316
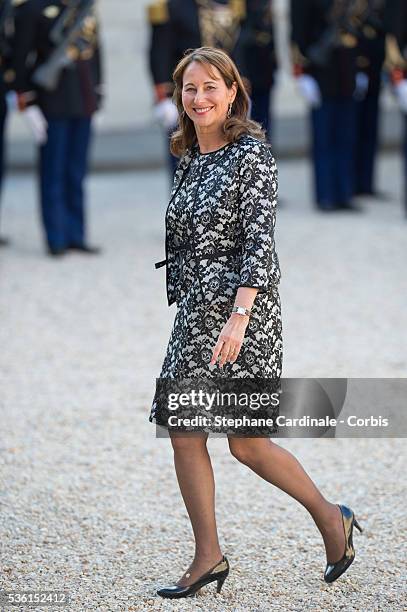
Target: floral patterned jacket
233,219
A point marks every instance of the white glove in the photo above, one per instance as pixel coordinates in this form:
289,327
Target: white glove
166,113
362,85
11,101
37,123
309,89
99,119
401,94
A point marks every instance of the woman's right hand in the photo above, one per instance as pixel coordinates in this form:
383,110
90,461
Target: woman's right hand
230,340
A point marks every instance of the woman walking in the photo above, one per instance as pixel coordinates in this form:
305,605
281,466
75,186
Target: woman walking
223,272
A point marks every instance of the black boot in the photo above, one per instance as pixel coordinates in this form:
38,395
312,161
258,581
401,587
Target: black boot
85,248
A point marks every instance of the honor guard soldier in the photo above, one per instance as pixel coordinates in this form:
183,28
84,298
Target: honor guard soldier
371,53
396,63
57,77
178,25
5,25
255,56
324,37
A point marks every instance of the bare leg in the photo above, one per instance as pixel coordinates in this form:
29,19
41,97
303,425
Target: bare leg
195,478
279,467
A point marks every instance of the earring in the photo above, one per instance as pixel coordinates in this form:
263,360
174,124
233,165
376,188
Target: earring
229,114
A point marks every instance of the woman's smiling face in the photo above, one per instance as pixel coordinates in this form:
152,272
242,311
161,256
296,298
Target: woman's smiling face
205,96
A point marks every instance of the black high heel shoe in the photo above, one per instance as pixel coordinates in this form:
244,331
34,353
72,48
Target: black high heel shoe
218,572
334,570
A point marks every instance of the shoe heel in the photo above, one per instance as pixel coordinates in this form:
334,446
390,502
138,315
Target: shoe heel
357,525
220,584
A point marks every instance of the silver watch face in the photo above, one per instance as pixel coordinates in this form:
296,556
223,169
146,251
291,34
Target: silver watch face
239,310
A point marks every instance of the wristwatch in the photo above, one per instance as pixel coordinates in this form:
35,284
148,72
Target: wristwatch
242,311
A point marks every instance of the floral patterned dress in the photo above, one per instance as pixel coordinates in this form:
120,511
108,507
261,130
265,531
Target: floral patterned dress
198,324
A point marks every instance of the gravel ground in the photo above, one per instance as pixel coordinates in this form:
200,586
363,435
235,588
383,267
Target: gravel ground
89,501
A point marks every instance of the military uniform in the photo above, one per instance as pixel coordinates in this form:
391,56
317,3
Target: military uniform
68,105
396,39
255,56
5,16
324,36
396,59
243,29
371,53
178,25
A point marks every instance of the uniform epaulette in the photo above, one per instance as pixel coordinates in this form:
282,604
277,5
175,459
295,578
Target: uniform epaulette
18,2
158,12
238,8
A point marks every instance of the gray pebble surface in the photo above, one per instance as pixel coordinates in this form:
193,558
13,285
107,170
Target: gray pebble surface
89,501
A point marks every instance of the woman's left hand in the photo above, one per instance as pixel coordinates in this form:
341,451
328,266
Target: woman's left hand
230,340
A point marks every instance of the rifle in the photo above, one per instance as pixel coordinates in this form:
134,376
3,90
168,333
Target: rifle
64,21
374,15
47,74
320,52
